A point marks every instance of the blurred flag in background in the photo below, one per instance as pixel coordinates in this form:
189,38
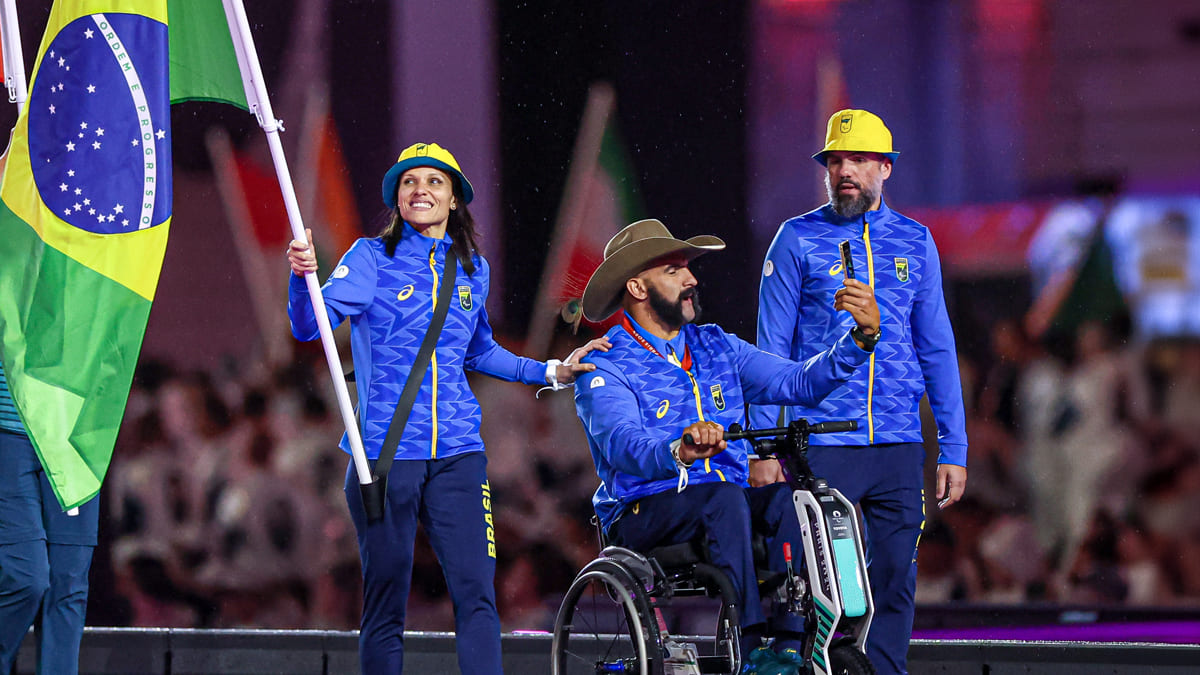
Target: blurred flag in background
599,199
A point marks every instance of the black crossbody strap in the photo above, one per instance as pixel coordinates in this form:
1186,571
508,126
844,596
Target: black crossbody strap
409,395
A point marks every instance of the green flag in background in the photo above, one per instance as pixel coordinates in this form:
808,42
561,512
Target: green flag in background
85,206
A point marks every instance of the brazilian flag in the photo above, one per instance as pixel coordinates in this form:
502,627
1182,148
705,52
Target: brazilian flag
85,207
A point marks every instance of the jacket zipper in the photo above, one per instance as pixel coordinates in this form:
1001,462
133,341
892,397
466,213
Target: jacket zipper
433,365
871,362
699,408
700,413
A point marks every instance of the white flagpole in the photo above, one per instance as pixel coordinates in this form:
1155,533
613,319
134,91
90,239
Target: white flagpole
260,106
14,61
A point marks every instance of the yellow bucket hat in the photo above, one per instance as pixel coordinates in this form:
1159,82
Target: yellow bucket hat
424,154
857,131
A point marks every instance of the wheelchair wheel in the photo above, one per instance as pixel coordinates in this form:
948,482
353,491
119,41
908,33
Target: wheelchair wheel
845,659
605,625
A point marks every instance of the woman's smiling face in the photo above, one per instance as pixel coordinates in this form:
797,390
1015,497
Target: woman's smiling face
425,197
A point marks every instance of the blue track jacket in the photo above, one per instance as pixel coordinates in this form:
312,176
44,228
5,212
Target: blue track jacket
916,354
636,403
389,302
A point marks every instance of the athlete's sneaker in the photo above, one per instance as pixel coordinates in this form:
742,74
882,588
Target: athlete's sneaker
762,657
787,662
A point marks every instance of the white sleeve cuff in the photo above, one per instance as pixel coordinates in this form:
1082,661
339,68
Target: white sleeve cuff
552,375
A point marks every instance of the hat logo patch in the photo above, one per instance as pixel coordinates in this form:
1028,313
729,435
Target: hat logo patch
902,269
421,150
846,122
464,297
405,293
718,397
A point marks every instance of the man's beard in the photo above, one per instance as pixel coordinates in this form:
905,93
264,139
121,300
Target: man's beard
850,206
671,312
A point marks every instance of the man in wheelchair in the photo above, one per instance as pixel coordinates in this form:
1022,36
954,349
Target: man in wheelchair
656,407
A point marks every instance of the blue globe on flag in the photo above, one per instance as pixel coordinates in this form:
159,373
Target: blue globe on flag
99,124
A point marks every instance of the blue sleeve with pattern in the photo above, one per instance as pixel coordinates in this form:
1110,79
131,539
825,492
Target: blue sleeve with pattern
348,291
778,309
933,339
609,410
485,355
767,378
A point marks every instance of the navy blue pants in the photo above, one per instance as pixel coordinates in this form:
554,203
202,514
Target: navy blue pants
45,556
724,514
452,499
886,481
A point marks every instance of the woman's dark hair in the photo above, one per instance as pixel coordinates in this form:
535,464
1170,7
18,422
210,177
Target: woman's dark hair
460,226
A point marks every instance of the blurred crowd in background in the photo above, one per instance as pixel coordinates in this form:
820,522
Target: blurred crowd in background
225,505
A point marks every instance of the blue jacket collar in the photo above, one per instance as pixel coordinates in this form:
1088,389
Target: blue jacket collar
409,236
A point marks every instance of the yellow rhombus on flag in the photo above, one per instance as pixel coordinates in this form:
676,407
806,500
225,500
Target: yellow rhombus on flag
85,207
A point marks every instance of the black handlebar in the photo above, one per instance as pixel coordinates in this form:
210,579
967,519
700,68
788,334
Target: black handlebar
790,446
736,433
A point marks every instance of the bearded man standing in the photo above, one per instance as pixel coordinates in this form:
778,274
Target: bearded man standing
881,465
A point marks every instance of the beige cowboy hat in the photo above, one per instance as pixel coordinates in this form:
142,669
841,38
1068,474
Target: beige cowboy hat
628,253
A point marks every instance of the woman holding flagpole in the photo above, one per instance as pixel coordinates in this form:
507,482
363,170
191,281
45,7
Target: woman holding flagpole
391,288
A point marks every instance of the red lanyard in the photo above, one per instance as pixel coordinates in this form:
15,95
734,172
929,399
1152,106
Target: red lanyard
686,364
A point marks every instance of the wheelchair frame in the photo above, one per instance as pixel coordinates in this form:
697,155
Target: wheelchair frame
833,593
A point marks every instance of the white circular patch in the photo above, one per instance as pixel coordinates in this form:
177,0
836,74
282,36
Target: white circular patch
597,381
768,268
340,272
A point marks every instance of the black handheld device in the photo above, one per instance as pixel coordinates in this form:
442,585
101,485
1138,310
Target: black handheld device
847,261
